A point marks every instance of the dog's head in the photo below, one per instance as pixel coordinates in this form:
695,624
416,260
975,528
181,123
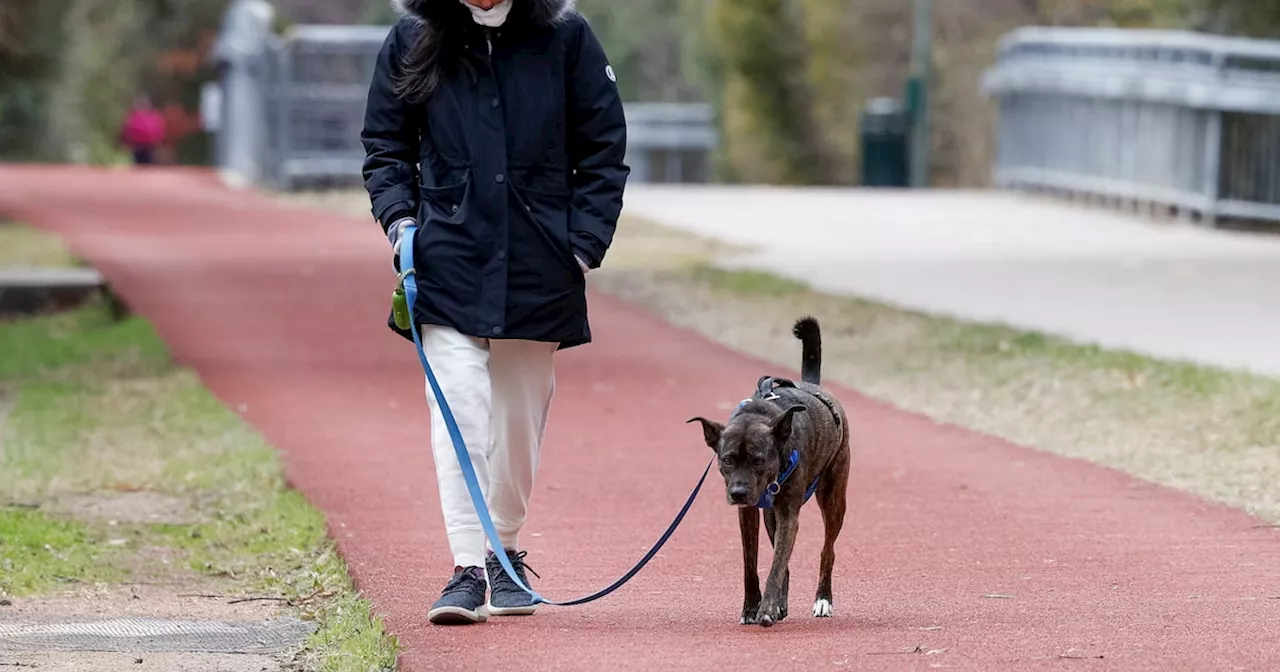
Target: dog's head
750,448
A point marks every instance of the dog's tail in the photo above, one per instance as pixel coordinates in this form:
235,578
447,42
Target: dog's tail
810,336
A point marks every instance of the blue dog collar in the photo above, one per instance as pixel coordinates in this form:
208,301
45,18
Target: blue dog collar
770,491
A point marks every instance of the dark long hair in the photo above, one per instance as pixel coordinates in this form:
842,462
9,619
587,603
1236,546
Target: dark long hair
438,49
435,52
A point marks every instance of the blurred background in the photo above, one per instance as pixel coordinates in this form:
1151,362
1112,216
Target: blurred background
784,86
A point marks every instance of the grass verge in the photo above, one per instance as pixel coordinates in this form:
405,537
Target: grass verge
93,417
24,246
39,551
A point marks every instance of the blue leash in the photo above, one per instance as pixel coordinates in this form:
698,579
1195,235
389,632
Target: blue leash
469,472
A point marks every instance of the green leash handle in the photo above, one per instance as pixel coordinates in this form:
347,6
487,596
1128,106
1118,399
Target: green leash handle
400,310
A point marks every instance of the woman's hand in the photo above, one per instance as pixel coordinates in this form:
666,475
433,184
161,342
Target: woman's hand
395,233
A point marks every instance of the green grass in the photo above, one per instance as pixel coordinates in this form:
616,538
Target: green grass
98,407
23,246
750,282
78,344
39,552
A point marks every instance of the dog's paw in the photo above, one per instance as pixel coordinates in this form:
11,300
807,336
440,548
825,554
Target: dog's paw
822,609
769,614
750,611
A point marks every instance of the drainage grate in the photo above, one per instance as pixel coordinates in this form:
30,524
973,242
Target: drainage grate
149,635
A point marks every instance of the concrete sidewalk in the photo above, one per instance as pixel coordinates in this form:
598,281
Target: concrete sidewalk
1164,289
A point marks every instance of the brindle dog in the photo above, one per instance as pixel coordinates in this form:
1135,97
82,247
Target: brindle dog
787,442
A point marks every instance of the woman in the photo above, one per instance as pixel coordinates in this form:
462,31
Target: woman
143,131
512,110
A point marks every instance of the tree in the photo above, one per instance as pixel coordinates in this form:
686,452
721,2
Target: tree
768,111
377,13
71,67
645,41
1251,18
30,41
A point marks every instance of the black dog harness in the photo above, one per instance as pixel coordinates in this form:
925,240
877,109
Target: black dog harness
767,389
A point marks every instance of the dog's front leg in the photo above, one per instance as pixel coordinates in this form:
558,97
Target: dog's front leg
749,523
771,606
771,526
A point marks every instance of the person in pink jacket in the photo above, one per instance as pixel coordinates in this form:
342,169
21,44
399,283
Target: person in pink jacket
143,131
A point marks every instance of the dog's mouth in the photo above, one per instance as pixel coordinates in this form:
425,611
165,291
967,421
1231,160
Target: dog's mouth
744,495
743,487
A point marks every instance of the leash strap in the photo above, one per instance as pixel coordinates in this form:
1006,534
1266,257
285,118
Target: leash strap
468,470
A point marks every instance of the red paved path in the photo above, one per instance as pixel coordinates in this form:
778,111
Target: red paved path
282,314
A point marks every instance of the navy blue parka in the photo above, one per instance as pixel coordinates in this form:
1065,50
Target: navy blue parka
512,166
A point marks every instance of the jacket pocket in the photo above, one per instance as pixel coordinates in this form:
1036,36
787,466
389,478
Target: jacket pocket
547,211
446,204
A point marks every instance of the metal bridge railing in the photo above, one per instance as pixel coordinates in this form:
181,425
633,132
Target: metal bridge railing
1173,119
292,108
316,103
670,142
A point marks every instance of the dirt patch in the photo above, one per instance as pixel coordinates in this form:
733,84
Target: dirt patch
189,599
186,600
149,662
128,508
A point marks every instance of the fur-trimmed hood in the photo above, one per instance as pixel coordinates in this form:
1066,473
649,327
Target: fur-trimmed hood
542,13
435,32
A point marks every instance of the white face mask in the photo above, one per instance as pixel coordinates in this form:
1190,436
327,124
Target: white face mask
492,17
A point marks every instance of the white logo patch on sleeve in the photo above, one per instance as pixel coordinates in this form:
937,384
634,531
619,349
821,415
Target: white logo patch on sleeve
608,72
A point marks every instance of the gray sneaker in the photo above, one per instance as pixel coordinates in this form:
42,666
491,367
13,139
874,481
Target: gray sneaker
507,598
463,600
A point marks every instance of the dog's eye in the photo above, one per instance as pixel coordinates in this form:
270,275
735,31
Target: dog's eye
727,460
757,461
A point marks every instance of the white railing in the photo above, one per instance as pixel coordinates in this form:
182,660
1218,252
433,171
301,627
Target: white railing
1142,117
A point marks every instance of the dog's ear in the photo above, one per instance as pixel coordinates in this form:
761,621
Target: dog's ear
781,425
711,431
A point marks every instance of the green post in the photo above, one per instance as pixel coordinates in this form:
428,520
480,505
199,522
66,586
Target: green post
918,92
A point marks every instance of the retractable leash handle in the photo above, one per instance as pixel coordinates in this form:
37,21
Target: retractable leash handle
468,470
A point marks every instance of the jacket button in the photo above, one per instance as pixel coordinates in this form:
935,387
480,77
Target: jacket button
497,331
495,102
453,208
499,178
502,254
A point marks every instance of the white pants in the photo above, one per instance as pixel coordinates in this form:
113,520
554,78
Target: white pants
500,393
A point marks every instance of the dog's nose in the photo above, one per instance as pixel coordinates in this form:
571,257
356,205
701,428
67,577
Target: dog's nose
738,493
